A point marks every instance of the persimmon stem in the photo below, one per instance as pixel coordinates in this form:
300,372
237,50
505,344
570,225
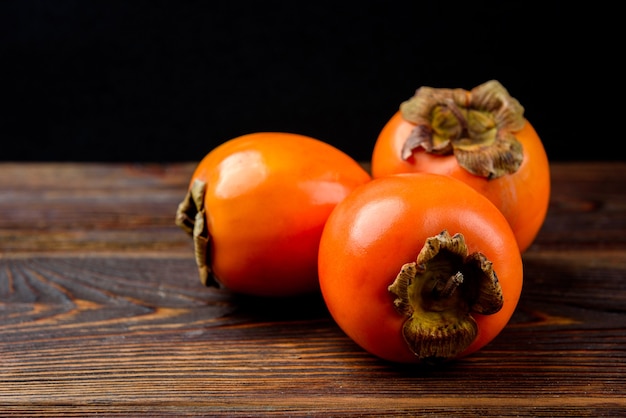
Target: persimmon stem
438,293
478,127
445,289
190,216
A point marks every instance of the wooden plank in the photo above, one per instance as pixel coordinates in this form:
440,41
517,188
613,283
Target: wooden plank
91,207
101,312
587,207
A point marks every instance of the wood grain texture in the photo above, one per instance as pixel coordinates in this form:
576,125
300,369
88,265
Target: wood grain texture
101,313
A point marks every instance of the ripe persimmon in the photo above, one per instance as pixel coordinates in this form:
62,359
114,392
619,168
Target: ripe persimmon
480,137
256,206
419,268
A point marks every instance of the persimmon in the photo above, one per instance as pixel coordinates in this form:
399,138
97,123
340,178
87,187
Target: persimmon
419,268
256,206
480,137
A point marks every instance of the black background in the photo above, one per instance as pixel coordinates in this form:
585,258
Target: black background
170,80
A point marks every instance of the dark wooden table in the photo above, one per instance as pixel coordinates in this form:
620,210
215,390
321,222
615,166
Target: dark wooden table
101,313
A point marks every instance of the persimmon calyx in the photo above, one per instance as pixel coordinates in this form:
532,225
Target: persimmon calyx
477,126
190,216
439,292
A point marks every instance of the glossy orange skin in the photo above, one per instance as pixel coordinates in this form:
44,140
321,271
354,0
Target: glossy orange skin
523,197
268,197
383,225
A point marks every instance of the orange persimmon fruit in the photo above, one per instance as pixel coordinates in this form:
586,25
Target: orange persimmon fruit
256,206
419,268
480,137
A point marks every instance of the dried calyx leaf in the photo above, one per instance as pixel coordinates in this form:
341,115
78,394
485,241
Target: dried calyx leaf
190,216
438,294
477,126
